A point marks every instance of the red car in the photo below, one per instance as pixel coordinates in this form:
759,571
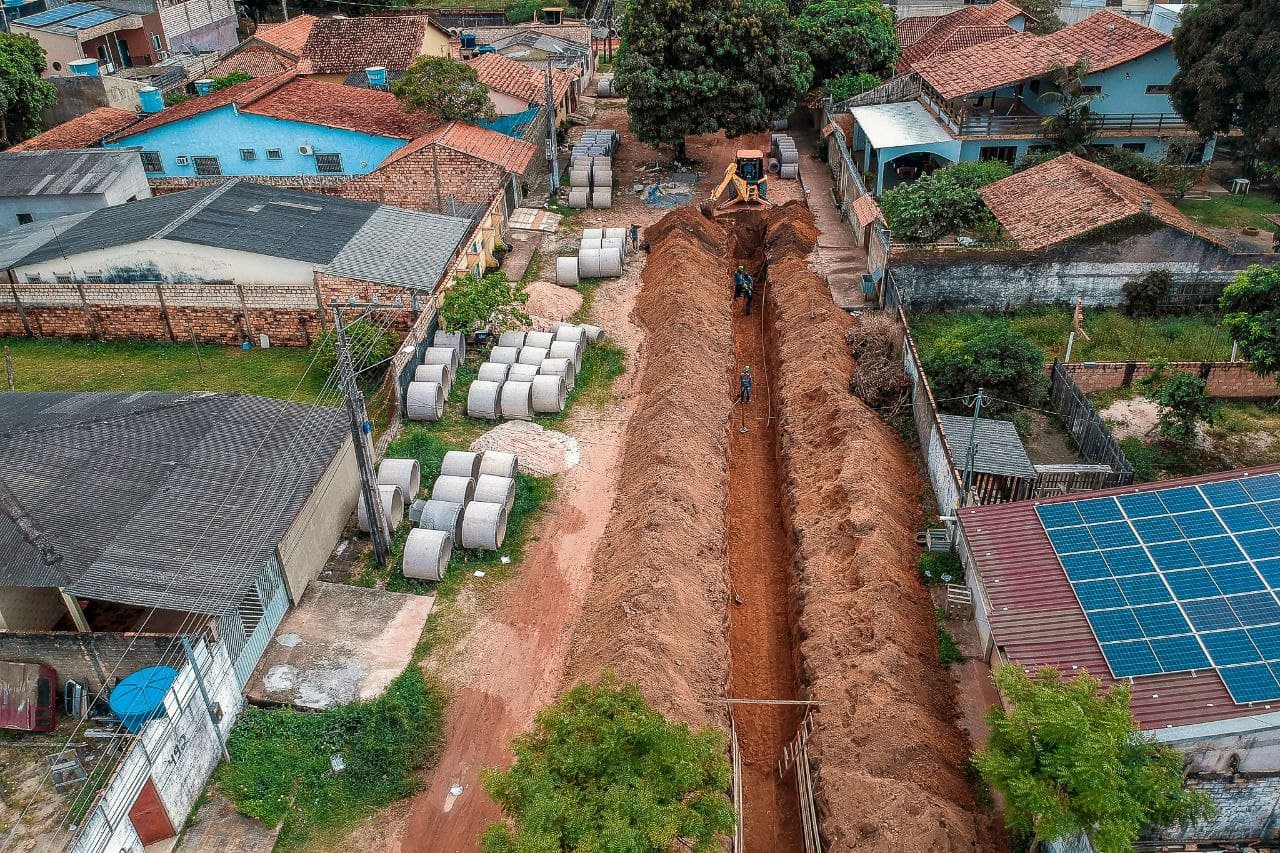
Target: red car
28,697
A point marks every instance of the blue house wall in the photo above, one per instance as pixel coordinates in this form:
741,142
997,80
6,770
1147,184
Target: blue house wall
1124,87
224,132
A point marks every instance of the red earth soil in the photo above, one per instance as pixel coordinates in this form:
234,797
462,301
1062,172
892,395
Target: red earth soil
890,761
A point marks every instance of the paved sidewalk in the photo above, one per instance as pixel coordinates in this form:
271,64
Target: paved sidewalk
838,256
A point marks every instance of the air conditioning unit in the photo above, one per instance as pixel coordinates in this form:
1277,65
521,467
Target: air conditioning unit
182,160
305,150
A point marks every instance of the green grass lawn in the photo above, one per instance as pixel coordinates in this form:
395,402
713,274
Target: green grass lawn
1192,337
1233,211
55,365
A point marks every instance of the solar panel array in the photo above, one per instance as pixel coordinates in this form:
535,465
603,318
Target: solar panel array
59,13
1180,579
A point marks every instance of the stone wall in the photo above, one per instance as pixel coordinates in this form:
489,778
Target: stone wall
90,659
1232,380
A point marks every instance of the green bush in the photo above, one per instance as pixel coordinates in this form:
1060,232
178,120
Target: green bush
846,86
944,202
1034,158
228,80
477,303
940,567
522,11
996,357
1131,164
1143,296
367,342
1183,402
948,651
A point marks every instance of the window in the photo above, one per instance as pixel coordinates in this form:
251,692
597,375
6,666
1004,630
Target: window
151,161
1004,153
1140,147
34,278
1156,89
329,164
1091,90
274,154
24,218
207,166
93,277
62,277
248,154
155,43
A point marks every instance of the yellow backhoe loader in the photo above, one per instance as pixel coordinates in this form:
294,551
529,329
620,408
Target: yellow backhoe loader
748,181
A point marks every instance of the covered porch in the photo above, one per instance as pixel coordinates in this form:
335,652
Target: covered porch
897,143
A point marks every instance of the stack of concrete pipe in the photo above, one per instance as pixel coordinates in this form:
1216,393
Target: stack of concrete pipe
433,379
784,159
530,373
591,169
469,507
602,253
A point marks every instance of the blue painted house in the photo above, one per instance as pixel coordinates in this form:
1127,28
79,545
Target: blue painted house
284,126
985,102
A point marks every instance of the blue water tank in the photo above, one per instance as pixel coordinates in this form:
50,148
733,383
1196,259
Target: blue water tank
140,696
468,41
376,75
204,86
151,99
487,48
84,67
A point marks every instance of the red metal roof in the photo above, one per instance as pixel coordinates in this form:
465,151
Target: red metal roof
1036,620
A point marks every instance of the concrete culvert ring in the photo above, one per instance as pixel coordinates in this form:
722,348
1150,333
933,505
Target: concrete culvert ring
517,400
392,500
594,334
441,374
405,473
492,489
790,171
615,233
443,515
571,334
441,355
569,350
492,371
484,400
505,355
549,393
460,463
539,339
567,271
521,373
457,340
788,156
511,339
602,199
453,489
499,463
424,401
484,526
531,355
426,554
562,367
592,233
578,197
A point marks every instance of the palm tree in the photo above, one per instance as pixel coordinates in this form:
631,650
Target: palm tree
1075,124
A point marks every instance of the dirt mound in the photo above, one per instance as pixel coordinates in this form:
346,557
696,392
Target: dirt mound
551,303
890,761
655,612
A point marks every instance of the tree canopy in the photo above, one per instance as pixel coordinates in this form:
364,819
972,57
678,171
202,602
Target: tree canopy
849,37
602,770
445,88
1251,313
1228,67
689,68
1182,399
993,356
1074,126
23,94
1069,759
943,202
475,303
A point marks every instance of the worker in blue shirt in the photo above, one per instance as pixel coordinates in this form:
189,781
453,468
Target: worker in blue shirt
744,385
635,237
741,281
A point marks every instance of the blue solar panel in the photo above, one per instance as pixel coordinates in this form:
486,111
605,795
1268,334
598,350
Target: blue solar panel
1180,579
61,13
92,19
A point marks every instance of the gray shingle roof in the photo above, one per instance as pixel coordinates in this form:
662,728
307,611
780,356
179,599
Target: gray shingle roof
401,247
998,450
157,499
65,172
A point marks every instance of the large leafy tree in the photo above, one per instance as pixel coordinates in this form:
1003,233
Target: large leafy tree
1251,313
697,67
1069,759
1228,54
443,87
943,202
490,302
23,94
849,37
991,355
602,770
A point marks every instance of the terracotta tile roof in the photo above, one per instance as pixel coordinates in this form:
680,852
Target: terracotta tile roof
1106,38
240,93
254,60
519,81
343,45
866,211
84,131
289,36
922,38
513,155
1068,196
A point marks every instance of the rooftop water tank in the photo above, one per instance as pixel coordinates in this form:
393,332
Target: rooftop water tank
468,41
84,67
487,48
150,99
139,697
377,75
204,86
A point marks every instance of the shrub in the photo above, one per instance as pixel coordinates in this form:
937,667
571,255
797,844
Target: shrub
522,11
995,357
1183,402
1131,164
948,651
490,302
1143,296
940,567
228,80
944,202
367,342
1035,158
846,86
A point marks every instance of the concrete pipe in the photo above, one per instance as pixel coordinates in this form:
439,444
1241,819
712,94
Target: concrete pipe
569,350
604,88
790,171
460,463
562,367
457,340
594,334
579,178
549,393
441,355
445,516
602,161
499,464
788,156
484,400
539,339
530,355
484,526
426,554
504,355
572,334
615,233
405,473
602,199
424,401
511,339
415,510
774,165
392,500
601,180
441,374
454,489
580,350
517,400
492,489
578,197
492,371
522,373
591,243
592,233
567,272
600,263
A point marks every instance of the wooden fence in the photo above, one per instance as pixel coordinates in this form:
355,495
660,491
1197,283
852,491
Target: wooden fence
1086,427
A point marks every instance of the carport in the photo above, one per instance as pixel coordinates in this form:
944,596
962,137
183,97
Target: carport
900,142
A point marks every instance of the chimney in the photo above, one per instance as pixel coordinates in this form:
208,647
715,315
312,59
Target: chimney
1146,206
377,75
204,86
83,67
150,99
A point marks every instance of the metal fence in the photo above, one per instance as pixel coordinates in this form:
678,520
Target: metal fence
939,461
1087,429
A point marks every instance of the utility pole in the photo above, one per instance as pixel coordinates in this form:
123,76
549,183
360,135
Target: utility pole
209,707
973,446
361,435
553,171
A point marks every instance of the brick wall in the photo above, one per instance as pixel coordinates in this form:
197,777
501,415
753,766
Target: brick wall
410,182
1232,380
328,184
88,658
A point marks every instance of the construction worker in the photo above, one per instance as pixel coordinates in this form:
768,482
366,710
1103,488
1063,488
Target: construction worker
635,237
744,385
739,275
748,290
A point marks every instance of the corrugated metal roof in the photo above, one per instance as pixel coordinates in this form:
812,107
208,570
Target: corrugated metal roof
997,450
401,247
1037,621
157,499
63,172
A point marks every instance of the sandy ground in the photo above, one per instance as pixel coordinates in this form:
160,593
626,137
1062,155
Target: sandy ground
1133,418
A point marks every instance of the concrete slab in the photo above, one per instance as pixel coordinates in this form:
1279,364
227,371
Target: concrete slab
523,245
341,643
219,828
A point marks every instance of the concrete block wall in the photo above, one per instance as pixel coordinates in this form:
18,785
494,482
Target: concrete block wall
94,660
1229,380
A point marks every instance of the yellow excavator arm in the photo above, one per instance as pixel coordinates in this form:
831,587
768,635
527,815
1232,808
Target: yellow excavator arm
749,193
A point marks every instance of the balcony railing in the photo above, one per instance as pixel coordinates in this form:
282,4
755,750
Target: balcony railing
1138,124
